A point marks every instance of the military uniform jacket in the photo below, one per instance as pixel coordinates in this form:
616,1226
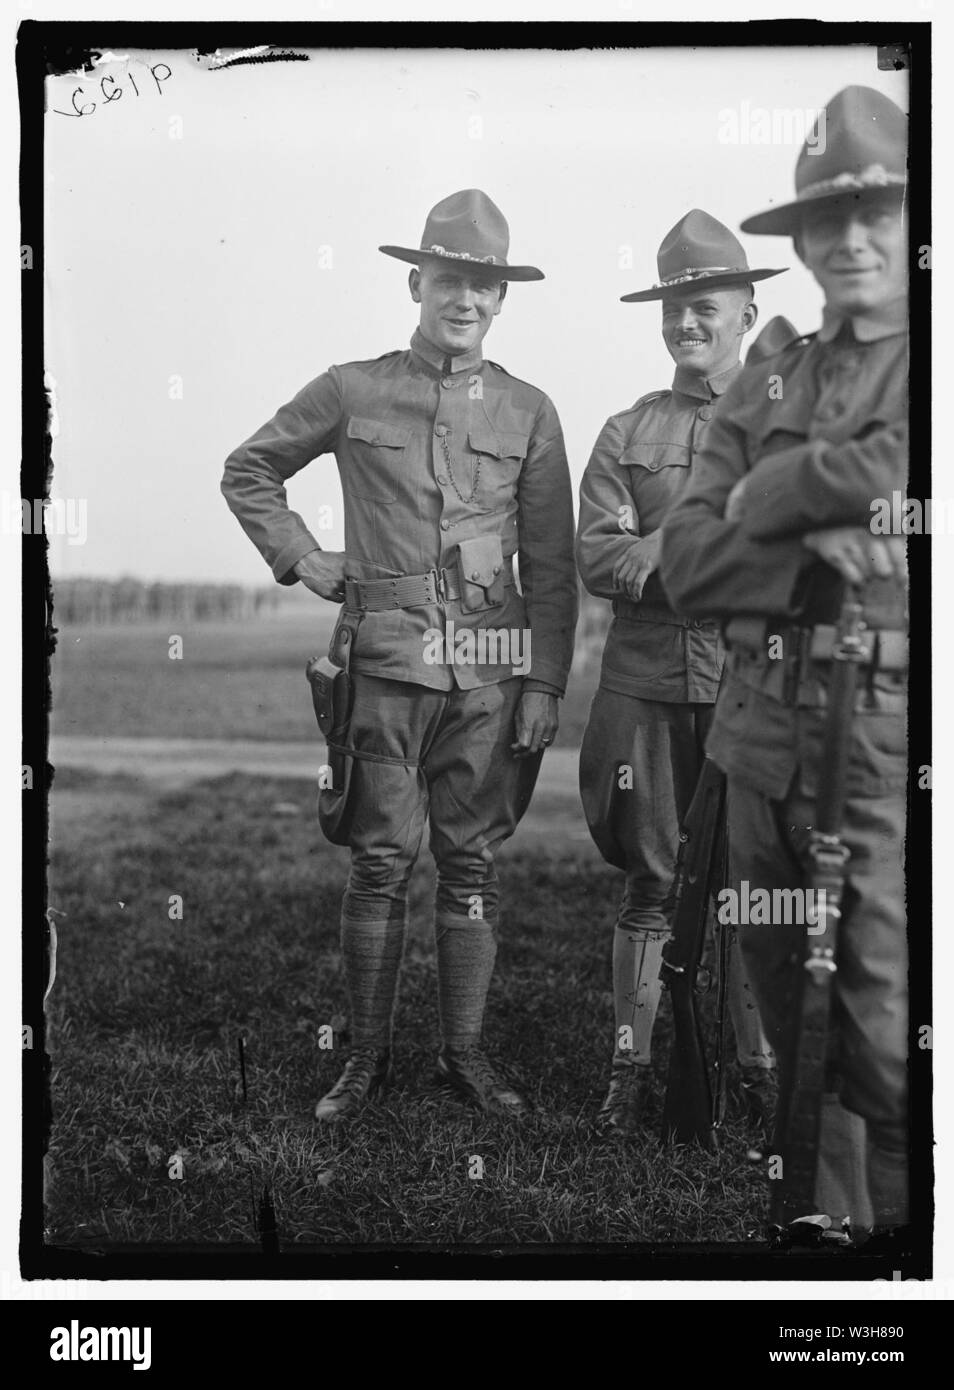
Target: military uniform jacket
640,464
820,431
431,452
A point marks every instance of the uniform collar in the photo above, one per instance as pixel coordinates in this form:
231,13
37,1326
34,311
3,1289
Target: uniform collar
886,321
438,360
703,387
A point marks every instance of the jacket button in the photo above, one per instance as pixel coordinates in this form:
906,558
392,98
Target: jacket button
441,430
705,413
652,465
447,381
442,480
445,525
475,574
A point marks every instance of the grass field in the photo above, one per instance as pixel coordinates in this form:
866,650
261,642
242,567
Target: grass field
146,1013
235,680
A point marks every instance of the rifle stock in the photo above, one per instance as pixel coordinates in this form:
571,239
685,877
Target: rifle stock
687,1109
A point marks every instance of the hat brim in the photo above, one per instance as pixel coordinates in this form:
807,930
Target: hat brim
700,285
499,272
786,220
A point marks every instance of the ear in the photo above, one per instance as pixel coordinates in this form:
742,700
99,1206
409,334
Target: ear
797,243
414,283
500,297
750,316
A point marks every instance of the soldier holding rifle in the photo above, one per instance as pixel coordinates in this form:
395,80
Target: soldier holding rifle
773,536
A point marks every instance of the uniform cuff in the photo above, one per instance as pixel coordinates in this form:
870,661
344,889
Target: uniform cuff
284,564
542,687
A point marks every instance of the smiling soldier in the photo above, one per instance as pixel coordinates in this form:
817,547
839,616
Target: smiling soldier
773,536
449,468
643,747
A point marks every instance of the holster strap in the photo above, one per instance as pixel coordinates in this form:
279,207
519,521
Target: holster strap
360,754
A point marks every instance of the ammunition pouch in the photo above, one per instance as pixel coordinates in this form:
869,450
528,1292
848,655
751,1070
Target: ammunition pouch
482,573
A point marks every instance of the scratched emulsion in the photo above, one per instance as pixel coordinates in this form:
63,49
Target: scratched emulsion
265,54
131,76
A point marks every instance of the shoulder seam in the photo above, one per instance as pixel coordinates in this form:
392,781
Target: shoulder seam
497,368
366,361
641,401
802,341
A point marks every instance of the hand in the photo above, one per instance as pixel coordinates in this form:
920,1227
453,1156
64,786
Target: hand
735,502
857,555
323,572
536,723
631,573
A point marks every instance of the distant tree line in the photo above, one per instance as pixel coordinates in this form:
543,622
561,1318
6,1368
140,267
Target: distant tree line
128,600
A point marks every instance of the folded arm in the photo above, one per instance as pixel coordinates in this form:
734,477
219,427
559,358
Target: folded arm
710,566
607,535
818,483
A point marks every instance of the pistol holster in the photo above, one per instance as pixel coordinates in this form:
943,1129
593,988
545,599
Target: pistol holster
332,694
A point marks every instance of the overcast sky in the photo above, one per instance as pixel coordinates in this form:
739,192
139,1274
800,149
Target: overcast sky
221,228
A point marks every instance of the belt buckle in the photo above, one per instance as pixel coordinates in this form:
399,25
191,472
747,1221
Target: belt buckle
436,579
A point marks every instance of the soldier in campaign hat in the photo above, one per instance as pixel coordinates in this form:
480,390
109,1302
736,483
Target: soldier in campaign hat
771,532
449,465
643,746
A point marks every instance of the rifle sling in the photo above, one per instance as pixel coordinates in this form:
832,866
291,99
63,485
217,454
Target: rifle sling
825,860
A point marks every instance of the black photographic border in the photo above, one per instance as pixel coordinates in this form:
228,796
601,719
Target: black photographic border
49,47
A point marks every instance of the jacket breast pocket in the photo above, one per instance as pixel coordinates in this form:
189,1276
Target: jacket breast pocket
499,455
375,456
656,458
657,474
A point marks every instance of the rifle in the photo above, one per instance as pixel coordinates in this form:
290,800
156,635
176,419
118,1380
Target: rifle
688,1110
724,938
825,860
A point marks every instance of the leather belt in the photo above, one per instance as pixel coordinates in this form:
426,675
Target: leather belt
406,591
656,613
889,646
